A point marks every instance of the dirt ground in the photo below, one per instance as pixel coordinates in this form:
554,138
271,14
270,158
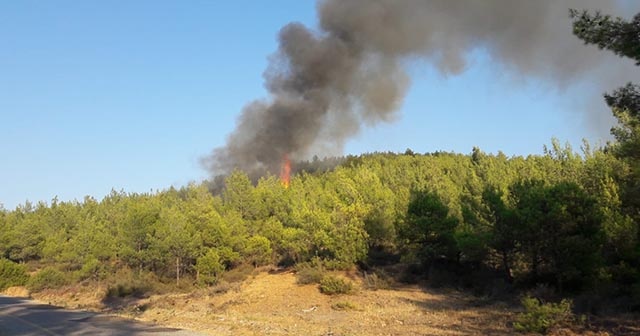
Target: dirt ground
274,304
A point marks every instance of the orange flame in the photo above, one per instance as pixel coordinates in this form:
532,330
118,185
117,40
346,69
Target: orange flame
285,171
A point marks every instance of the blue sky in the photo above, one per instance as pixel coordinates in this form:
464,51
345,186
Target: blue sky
96,95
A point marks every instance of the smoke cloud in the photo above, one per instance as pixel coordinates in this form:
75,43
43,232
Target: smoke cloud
325,84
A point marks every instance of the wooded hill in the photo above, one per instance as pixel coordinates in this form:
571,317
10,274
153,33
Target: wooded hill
566,220
556,219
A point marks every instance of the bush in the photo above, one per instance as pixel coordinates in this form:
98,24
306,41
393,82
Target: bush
126,283
373,281
539,317
442,276
310,273
12,274
337,265
258,251
47,278
92,269
209,267
332,285
238,274
127,288
222,287
344,305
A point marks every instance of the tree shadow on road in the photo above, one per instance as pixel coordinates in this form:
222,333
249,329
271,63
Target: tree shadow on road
21,317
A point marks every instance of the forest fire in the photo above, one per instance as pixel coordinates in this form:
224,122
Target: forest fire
285,171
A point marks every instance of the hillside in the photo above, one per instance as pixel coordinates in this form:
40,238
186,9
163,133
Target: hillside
273,304
469,222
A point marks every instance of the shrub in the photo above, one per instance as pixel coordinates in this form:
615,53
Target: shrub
412,274
441,276
309,273
337,265
209,267
126,283
12,274
47,278
544,293
222,287
238,274
344,305
127,288
332,285
92,269
539,317
258,251
373,281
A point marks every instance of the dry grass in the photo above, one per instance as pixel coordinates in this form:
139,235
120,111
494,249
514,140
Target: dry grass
73,297
274,304
17,291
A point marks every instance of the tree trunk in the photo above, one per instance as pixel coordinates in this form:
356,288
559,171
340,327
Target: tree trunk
534,266
507,268
177,271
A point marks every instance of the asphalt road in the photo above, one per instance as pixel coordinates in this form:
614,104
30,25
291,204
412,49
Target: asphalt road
23,317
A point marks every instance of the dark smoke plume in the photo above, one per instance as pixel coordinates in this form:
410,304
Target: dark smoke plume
325,84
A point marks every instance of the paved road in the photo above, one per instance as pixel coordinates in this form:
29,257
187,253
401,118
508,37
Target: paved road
21,317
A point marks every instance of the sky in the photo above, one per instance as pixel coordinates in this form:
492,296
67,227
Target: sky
130,95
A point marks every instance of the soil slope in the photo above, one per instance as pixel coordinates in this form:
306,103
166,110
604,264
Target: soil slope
273,304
